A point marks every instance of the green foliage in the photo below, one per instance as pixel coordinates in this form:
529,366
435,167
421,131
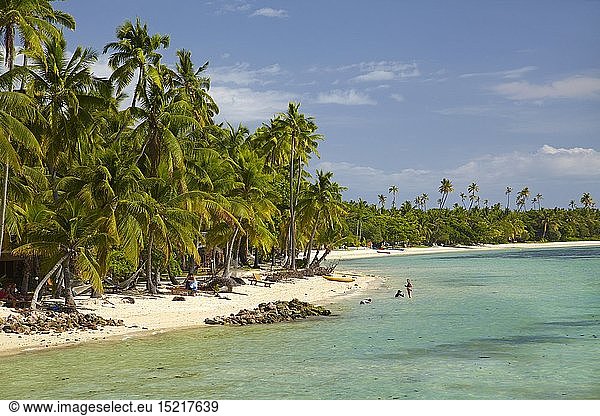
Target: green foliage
460,226
119,267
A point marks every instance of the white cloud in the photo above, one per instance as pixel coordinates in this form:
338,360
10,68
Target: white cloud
234,7
367,182
375,76
548,169
100,68
509,73
347,97
269,12
381,71
547,162
244,104
397,97
468,110
573,87
242,74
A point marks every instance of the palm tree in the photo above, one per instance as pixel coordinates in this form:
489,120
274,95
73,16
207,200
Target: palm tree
424,198
68,97
361,210
587,200
507,193
163,118
299,131
14,106
134,51
463,196
33,21
418,202
322,203
522,197
393,190
382,199
539,198
572,204
445,189
472,189
69,233
194,88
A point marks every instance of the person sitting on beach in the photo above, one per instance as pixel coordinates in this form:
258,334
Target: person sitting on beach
191,284
399,294
409,288
10,294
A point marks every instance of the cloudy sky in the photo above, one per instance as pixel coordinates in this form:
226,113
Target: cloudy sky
502,93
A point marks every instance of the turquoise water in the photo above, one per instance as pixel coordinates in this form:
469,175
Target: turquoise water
518,324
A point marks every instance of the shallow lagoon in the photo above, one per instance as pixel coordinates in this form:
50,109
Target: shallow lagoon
514,324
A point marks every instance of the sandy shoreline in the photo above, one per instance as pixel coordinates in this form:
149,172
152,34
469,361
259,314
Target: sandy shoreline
154,315
361,253
157,314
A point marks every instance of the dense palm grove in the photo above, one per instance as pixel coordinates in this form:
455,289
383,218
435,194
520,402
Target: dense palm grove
471,221
98,184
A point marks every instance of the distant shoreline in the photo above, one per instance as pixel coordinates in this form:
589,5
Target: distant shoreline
362,253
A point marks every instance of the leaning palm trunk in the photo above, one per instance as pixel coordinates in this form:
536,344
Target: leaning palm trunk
229,254
131,282
317,262
38,288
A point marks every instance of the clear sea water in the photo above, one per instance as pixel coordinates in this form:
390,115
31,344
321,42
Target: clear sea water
514,324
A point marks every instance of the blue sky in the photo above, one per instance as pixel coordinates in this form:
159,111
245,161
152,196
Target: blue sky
503,93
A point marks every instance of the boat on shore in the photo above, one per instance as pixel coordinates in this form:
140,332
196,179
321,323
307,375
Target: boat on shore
346,279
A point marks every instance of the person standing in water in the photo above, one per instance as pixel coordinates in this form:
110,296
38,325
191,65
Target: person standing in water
408,287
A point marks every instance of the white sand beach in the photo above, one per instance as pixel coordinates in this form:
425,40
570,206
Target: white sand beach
156,314
361,252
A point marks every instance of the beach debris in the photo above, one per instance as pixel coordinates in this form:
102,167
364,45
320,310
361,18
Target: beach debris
178,299
128,299
366,301
38,321
272,312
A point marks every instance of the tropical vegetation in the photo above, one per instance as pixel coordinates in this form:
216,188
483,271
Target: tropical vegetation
101,187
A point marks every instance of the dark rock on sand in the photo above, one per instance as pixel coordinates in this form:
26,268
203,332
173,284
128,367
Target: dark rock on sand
36,321
272,312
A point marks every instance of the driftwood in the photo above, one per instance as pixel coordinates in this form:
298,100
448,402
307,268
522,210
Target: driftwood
218,282
319,270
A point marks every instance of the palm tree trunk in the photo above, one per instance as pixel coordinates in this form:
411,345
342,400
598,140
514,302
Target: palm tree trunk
36,292
171,277
312,237
256,262
67,273
292,208
229,254
4,204
150,287
318,261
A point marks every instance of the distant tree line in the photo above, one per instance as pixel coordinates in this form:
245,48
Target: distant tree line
471,222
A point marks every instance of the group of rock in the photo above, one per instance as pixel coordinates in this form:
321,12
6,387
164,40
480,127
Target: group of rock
42,322
272,312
